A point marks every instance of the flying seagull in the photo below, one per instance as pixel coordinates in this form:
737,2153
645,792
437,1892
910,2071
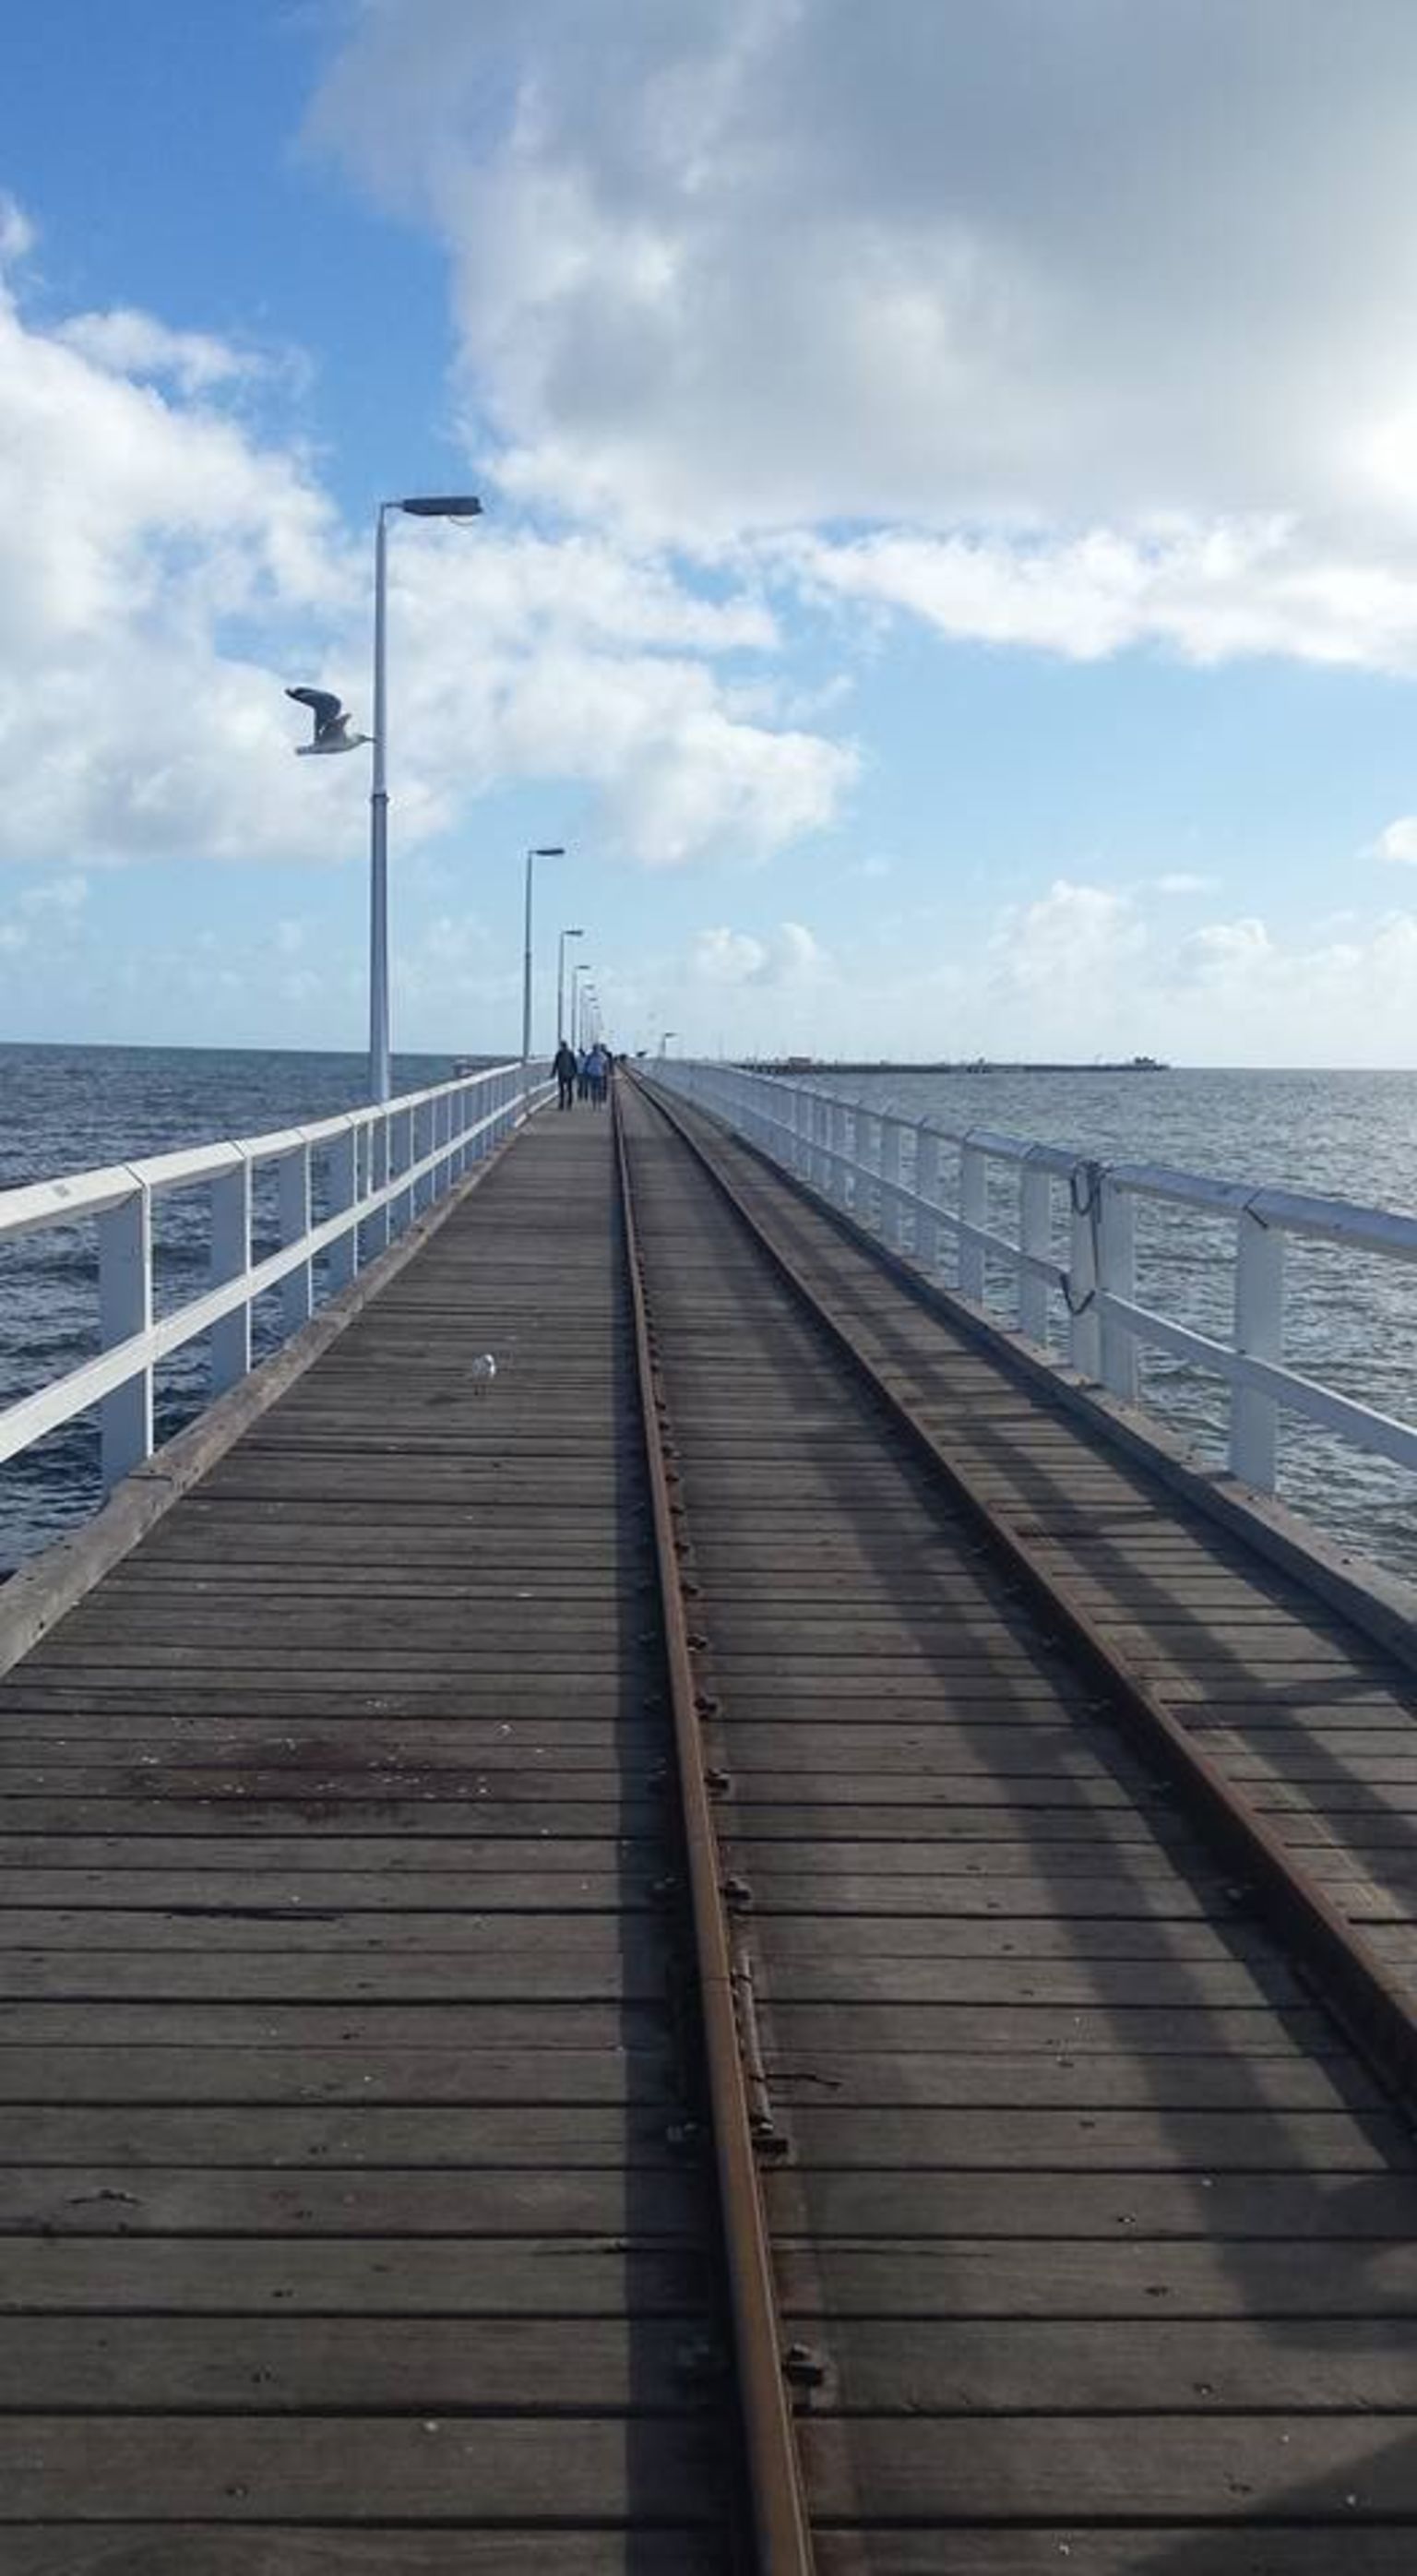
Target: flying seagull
331,723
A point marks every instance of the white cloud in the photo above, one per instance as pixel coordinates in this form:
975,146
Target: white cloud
789,957
17,233
165,569
748,257
1182,881
1265,585
64,896
1088,317
1063,945
1398,841
128,343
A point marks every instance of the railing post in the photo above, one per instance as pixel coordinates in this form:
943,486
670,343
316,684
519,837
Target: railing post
1259,1330
1035,1234
125,1308
1084,1334
1117,1277
293,1205
342,1184
802,1133
469,1110
973,1210
890,1182
400,1157
821,1167
231,1259
377,1136
420,1123
841,1177
927,1187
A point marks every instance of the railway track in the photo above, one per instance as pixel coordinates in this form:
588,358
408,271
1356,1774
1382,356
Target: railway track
1060,2111
493,2078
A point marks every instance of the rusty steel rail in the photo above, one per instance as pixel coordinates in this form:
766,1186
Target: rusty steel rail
1342,1967
781,2530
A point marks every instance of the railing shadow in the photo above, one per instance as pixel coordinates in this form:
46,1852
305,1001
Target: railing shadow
992,1637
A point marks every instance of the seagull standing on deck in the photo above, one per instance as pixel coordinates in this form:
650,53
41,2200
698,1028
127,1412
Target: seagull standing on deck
331,723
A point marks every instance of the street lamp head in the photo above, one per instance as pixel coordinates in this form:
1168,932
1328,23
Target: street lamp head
573,934
553,850
442,505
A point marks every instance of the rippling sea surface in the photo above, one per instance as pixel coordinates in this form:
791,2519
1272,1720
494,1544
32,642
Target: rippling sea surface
72,1109
1352,1321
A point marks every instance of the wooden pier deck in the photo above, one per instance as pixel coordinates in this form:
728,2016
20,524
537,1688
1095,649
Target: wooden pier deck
356,2177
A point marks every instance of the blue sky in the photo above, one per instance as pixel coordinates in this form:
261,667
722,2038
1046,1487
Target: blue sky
950,564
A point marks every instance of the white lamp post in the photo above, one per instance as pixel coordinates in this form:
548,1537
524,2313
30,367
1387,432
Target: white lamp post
576,973
552,850
456,505
561,980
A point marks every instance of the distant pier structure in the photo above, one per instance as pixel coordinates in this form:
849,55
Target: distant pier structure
945,1064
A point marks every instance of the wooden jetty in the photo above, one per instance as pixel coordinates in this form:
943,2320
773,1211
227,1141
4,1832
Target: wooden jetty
393,1835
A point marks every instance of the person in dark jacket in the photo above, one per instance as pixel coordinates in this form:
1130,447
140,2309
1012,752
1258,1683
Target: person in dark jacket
565,1069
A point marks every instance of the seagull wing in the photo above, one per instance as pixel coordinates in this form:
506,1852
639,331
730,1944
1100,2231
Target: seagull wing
323,705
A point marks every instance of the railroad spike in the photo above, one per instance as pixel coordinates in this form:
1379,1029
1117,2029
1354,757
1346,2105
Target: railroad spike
803,2367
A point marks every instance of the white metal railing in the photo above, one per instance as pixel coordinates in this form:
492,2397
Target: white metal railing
378,1168
1074,1251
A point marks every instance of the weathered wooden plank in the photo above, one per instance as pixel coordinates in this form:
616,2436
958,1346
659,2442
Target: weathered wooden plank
251,2135
1136,2137
361,2276
1095,2079
305,1892
1123,2367
142,2548
885,1981
343,2074
362,2028
1340,2469
1117,2548
272,2365
288,1974
815,2202
910,2029
360,2469
180,2200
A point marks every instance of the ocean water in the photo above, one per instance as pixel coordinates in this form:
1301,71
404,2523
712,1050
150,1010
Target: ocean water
1350,1319
71,1109
1351,1322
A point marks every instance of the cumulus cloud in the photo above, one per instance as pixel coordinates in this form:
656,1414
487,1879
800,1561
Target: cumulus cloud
1066,942
1264,585
1078,320
167,565
765,258
129,343
17,234
1398,841
789,957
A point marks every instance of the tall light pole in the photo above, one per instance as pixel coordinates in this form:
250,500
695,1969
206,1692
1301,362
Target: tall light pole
552,850
576,974
441,505
561,981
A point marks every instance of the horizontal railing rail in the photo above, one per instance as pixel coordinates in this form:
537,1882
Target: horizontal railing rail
1073,1256
378,1169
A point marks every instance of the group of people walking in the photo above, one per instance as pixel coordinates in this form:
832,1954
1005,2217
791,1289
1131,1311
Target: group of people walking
582,1077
